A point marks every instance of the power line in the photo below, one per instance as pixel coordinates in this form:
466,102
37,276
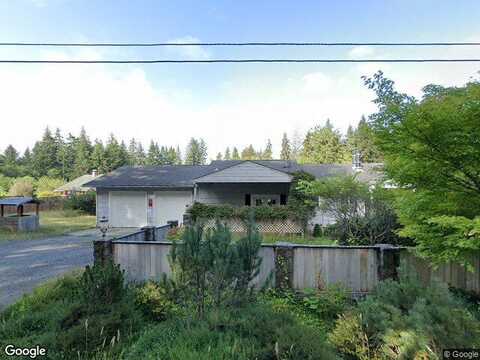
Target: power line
213,61
244,44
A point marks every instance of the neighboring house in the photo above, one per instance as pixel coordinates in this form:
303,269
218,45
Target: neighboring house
77,186
152,195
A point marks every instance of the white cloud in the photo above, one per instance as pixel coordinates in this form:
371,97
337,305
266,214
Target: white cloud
194,52
317,83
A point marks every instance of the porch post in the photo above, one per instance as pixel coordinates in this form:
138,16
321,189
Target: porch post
195,187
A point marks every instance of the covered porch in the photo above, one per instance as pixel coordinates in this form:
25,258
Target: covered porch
244,184
242,194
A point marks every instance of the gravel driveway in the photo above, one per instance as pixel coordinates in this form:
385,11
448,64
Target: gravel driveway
25,264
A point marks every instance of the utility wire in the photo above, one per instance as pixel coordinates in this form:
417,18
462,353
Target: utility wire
213,61
245,44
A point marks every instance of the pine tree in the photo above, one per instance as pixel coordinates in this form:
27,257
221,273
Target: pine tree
26,161
11,166
235,155
66,157
219,156
10,156
171,156
364,142
115,154
323,145
140,156
97,158
286,152
132,152
203,152
83,150
267,153
249,153
196,153
153,156
44,155
227,154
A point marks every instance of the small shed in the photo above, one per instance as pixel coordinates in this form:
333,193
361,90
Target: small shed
19,221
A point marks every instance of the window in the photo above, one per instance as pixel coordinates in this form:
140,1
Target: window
270,200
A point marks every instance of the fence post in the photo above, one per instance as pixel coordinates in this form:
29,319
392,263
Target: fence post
102,251
284,266
388,261
149,232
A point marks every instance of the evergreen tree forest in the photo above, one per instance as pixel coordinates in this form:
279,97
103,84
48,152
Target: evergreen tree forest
57,157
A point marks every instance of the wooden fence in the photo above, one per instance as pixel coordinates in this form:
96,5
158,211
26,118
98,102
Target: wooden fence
358,269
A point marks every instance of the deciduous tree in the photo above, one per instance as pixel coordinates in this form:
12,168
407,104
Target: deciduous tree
432,153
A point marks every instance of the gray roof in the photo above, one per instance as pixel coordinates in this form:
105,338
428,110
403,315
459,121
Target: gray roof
77,184
17,201
183,176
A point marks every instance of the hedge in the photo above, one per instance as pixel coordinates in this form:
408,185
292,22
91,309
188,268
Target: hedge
277,212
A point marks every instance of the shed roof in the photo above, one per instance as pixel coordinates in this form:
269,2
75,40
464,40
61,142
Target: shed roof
17,201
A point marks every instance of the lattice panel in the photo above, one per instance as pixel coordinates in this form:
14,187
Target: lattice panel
274,226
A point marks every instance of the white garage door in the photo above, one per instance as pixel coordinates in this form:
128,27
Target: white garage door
171,205
128,208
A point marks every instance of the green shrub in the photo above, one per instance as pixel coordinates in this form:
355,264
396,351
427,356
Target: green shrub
317,230
57,317
212,268
83,202
105,331
470,298
319,308
175,233
154,301
253,332
350,339
102,284
406,320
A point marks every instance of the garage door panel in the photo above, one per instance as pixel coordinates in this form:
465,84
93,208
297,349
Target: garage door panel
171,205
128,209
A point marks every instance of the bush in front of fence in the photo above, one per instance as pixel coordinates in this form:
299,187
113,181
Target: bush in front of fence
212,268
406,320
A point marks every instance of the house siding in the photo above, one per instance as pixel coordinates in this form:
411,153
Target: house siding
234,194
247,172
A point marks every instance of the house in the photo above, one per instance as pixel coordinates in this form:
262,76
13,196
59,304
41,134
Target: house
153,195
77,186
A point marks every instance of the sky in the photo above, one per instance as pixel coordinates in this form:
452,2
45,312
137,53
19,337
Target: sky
226,104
